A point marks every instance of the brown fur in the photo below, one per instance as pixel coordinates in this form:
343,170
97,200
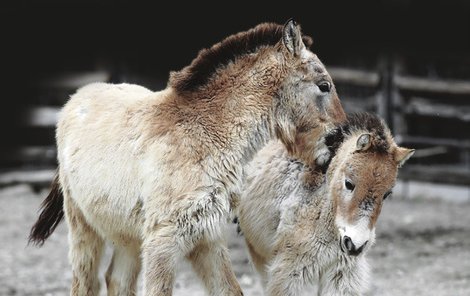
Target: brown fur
378,165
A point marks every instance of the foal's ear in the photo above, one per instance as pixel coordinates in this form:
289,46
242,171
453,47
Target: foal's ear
363,142
292,37
402,155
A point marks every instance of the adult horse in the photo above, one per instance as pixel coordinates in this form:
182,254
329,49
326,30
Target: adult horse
155,173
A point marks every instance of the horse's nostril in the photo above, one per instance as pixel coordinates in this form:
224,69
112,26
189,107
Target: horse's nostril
350,248
354,251
348,243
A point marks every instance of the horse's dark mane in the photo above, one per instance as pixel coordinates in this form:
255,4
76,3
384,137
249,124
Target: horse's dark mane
364,122
209,60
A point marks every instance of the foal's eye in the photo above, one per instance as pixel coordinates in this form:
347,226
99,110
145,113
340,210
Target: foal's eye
324,86
349,185
387,194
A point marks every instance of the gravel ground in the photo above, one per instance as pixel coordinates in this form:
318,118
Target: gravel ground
423,248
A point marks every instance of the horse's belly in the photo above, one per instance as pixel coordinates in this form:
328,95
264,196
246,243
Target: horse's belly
121,228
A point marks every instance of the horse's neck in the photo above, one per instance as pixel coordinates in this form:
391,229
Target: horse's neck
328,209
243,132
239,101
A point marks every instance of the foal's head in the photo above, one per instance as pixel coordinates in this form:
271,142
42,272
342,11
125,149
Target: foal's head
361,177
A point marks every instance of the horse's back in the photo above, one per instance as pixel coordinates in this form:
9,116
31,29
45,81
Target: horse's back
120,91
101,115
100,99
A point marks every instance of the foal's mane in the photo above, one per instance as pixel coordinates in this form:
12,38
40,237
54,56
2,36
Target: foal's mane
361,122
208,60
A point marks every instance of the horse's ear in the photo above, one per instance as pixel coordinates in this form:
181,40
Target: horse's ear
292,37
363,142
402,155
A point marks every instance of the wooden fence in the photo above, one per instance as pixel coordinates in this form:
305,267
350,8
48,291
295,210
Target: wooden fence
431,114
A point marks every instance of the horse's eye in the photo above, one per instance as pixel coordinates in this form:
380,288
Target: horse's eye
324,86
387,194
349,185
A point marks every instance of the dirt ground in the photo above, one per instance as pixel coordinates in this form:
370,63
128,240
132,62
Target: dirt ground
423,248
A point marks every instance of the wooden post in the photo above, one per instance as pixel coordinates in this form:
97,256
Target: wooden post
397,102
384,90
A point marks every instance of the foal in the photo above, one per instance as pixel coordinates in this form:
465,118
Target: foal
301,224
155,172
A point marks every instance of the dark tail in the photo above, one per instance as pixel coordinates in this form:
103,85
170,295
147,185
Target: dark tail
52,212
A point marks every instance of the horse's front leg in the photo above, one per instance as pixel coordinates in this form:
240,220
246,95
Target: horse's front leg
160,254
192,229
201,221
210,260
345,278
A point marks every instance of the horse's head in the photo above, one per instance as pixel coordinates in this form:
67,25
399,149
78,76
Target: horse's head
308,104
267,69
361,177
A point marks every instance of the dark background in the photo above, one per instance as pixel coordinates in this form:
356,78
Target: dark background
40,39
140,43
47,37
56,37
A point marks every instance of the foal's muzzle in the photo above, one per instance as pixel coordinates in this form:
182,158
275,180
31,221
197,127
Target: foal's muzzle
350,248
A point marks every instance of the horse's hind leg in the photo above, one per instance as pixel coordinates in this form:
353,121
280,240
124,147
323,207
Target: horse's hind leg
211,262
85,250
121,277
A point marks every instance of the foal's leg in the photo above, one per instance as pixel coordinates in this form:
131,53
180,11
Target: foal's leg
86,248
259,262
287,274
122,273
211,262
345,278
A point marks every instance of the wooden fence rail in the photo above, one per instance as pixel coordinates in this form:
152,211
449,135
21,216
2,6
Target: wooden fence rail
407,101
